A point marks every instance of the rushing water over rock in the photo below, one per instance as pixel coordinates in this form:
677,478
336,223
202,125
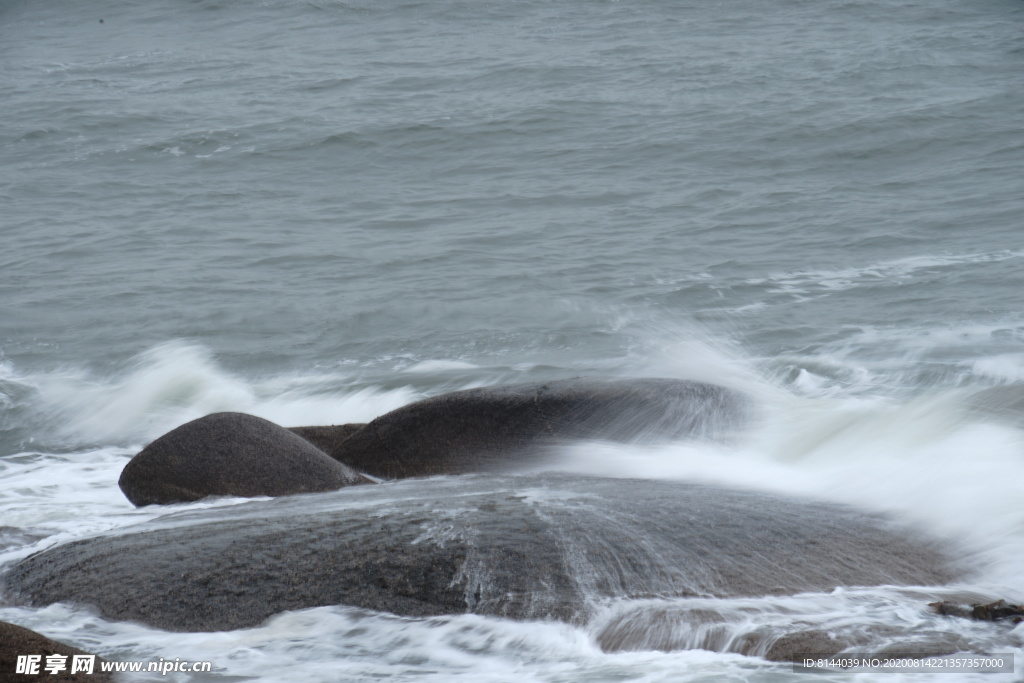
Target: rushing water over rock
542,547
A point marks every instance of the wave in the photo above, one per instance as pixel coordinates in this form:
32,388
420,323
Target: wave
934,461
895,272
946,458
171,384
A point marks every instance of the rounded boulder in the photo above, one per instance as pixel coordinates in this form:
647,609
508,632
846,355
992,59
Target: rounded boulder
230,454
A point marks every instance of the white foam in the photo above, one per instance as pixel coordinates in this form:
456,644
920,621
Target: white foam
928,460
924,460
175,382
894,272
432,366
875,618
329,644
1006,368
685,351
56,498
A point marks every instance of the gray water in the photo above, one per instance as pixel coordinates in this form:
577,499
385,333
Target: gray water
319,211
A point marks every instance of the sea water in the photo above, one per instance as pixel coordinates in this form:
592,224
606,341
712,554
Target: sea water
317,211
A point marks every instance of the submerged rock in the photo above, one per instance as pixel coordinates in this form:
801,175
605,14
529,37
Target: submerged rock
772,627
668,626
533,547
793,647
502,428
230,454
18,640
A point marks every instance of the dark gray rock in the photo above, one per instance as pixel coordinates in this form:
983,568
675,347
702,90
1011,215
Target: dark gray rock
18,640
813,643
794,647
503,428
535,547
671,626
330,439
723,626
230,454
930,644
992,611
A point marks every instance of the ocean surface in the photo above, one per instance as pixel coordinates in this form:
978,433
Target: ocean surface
318,211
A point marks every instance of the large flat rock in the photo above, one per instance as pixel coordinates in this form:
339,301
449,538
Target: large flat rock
525,547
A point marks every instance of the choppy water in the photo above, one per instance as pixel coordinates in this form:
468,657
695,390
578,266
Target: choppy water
319,211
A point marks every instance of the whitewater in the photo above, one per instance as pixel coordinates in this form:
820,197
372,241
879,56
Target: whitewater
942,462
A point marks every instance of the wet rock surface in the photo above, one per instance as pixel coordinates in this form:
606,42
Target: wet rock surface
524,547
504,427
230,454
793,647
329,438
772,627
993,611
673,627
